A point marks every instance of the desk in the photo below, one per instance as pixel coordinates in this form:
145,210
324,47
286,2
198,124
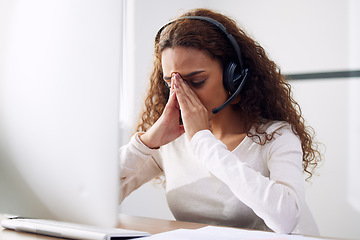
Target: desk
153,226
150,225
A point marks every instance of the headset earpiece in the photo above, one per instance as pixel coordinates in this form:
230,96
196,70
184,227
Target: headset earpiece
231,77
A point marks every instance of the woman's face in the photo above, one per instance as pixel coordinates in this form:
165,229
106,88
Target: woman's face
203,74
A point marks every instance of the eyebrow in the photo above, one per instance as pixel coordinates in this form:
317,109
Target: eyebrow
187,75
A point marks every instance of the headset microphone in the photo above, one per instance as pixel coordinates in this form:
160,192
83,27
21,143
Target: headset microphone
234,95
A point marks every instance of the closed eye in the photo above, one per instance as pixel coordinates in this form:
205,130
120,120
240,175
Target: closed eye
197,84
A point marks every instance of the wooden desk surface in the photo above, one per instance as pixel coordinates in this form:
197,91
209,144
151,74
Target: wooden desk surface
150,225
153,225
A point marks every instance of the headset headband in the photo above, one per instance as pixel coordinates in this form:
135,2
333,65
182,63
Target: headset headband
214,22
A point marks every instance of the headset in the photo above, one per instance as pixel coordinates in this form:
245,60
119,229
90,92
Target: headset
234,75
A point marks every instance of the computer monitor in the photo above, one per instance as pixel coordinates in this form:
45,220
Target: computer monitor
59,111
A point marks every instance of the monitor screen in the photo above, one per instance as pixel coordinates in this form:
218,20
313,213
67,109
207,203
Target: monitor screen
59,110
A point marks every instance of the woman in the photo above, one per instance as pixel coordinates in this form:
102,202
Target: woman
237,164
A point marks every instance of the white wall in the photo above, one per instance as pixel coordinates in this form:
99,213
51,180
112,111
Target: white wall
353,192
301,36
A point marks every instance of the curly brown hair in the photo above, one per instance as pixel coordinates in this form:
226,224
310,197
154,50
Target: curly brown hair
266,96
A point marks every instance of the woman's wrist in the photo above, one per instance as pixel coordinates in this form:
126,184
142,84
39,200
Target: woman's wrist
144,138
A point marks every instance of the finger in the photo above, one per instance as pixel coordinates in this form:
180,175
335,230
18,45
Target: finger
189,92
181,95
172,101
189,95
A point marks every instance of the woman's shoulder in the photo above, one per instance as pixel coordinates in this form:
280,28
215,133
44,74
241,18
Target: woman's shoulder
275,126
271,130
269,127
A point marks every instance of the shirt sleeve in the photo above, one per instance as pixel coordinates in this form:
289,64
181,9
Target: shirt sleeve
138,165
275,199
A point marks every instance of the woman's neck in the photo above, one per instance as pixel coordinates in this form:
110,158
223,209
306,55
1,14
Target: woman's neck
226,123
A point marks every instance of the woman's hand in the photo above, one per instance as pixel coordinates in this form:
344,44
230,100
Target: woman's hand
194,114
167,127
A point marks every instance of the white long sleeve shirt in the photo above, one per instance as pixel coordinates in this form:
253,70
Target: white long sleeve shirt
254,186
